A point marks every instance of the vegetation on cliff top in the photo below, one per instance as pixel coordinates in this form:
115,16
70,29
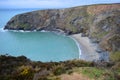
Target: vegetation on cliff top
21,68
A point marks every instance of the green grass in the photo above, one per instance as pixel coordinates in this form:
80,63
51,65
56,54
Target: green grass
101,35
115,56
95,73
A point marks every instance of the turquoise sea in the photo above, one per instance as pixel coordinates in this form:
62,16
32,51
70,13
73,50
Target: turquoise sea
38,46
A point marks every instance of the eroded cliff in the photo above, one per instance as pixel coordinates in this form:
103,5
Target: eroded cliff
99,22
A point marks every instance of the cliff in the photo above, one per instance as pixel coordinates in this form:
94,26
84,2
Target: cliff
101,23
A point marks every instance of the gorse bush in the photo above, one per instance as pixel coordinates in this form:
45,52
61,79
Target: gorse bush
24,73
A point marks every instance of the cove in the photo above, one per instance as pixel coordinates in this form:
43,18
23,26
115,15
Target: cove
39,46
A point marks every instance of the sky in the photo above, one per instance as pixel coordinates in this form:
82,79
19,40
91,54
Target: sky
50,3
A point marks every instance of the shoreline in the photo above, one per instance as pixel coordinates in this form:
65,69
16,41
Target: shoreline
78,45
88,49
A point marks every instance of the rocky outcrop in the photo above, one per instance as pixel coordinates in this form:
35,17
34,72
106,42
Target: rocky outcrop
99,22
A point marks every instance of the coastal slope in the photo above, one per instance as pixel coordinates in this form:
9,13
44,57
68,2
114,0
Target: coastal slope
101,23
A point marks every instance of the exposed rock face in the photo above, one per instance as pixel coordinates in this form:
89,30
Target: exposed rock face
101,22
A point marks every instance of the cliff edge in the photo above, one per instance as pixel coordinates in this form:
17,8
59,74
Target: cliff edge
101,23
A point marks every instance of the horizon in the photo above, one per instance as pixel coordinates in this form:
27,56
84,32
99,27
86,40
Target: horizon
53,4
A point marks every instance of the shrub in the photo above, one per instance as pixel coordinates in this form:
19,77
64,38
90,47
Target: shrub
116,70
115,56
24,73
57,70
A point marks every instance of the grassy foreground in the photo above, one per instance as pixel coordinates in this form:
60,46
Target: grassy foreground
21,68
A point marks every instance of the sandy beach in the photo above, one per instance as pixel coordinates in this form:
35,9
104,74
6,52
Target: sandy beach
88,49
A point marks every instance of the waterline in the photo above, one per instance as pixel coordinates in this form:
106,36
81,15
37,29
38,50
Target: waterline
2,30
44,31
77,46
46,46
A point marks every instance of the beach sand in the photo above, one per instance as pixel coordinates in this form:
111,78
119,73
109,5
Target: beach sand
88,49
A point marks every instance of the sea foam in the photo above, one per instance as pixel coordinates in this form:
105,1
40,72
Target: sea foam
2,30
22,31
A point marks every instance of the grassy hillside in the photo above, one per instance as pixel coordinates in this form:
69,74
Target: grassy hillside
21,68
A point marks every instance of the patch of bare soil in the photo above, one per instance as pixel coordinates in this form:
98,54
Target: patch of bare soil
74,76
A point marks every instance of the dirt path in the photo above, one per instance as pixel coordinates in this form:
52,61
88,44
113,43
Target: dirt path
74,76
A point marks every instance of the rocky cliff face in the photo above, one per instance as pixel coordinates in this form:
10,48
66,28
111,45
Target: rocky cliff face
99,22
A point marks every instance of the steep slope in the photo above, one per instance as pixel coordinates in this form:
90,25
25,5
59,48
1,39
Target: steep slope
99,22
